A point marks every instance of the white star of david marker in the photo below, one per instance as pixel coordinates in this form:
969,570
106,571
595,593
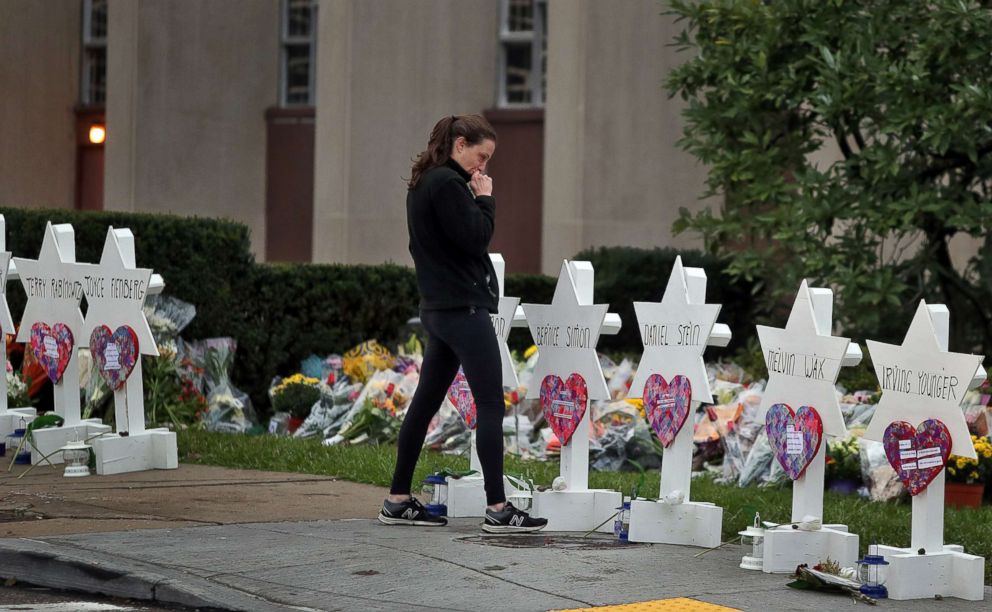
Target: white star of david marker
6,321
920,381
116,291
503,320
566,334
674,334
53,284
803,363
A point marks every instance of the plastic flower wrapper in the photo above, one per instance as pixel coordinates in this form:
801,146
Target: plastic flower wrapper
167,316
620,378
725,392
211,358
727,372
17,389
517,430
880,479
328,369
447,423
857,416
228,410
364,360
369,424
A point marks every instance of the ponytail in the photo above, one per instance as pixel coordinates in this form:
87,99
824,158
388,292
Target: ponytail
473,128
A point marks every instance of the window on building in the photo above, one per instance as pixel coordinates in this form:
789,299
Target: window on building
523,54
94,65
299,46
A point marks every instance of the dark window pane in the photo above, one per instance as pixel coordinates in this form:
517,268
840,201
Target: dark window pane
298,19
518,73
298,74
520,16
98,19
96,75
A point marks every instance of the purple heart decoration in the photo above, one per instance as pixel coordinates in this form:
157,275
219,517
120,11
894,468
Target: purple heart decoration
564,403
667,405
917,454
461,398
115,354
795,437
52,347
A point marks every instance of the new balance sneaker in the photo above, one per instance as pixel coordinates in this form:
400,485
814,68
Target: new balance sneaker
410,512
511,520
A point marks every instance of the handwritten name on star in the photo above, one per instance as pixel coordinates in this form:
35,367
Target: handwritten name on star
935,385
115,288
53,288
798,365
664,334
563,336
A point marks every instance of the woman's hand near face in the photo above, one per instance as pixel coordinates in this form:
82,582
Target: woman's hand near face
482,184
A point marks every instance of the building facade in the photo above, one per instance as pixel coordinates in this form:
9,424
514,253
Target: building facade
300,118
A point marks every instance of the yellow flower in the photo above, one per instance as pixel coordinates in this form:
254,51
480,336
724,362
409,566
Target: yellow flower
973,475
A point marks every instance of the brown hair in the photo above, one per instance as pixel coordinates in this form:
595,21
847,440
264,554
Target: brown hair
473,128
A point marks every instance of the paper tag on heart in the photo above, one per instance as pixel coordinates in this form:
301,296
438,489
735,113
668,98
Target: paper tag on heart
461,398
115,354
667,405
52,347
564,403
795,437
917,454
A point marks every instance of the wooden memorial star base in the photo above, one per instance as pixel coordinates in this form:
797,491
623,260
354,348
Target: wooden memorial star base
687,522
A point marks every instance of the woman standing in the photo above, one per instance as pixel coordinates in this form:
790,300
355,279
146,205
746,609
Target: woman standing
450,215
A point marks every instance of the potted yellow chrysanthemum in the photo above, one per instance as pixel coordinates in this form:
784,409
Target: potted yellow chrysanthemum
966,478
296,395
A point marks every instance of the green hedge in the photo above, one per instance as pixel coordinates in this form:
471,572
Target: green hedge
626,274
282,313
206,262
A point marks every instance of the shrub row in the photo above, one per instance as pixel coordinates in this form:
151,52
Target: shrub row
282,313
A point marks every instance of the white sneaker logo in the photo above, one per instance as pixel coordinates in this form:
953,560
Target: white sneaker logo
409,514
517,521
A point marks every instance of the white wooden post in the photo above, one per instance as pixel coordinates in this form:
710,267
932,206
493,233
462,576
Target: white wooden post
928,506
575,454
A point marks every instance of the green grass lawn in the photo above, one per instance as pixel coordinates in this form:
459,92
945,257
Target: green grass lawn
875,523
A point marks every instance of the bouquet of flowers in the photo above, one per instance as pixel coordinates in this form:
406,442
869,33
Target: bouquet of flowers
971,471
843,460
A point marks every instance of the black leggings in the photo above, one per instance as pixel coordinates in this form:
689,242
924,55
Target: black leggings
464,336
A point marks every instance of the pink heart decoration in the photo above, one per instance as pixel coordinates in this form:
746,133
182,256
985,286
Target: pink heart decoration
667,405
564,404
52,347
795,437
460,396
917,455
115,353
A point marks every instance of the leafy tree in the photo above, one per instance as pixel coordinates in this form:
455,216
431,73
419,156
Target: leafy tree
850,141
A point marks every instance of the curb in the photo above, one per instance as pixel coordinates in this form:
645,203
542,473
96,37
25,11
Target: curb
60,566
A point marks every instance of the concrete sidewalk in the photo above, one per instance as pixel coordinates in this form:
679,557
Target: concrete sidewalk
241,540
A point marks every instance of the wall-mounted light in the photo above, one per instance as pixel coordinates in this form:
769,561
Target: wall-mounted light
97,133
